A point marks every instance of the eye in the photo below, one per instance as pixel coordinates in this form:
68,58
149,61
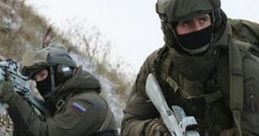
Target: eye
204,19
185,23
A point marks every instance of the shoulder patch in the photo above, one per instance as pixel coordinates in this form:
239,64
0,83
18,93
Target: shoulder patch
78,108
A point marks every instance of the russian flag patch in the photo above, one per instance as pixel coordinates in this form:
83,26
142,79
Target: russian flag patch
77,107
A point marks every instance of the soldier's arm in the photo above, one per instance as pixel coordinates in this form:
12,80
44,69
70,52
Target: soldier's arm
71,121
139,111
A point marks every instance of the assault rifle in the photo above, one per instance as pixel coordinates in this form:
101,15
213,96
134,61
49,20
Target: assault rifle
9,69
175,120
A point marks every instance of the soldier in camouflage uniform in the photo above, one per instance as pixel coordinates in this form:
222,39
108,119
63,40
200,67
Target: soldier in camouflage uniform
212,60
73,104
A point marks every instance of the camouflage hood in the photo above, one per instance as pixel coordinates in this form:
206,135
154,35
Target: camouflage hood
199,67
219,26
173,11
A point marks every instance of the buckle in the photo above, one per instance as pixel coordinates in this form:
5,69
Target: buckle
60,104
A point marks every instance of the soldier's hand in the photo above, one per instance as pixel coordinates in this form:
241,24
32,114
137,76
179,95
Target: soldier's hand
156,128
6,91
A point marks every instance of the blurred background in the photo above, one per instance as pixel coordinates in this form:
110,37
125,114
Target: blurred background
110,38
132,26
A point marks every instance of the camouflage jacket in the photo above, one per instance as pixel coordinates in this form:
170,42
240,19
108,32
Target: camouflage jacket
83,112
214,118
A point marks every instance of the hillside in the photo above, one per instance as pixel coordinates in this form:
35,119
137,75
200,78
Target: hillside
21,29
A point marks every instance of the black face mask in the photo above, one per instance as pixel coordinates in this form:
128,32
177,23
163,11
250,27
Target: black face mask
196,40
44,86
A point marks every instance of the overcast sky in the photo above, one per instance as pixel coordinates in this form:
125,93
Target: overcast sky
132,26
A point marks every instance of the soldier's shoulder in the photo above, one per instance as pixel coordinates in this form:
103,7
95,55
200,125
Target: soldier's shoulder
155,55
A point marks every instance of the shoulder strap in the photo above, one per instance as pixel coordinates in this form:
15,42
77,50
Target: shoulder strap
160,55
236,80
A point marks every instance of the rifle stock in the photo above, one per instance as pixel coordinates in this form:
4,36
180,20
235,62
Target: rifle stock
175,120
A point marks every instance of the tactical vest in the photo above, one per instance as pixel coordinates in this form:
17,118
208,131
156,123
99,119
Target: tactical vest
214,104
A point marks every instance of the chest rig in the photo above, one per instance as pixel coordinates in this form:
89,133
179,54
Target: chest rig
207,101
223,94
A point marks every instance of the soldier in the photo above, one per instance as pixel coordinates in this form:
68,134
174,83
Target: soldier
73,104
214,63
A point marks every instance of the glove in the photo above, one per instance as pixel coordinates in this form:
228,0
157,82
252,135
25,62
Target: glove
6,91
156,128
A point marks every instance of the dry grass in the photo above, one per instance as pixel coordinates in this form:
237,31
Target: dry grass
98,50
31,33
14,43
30,36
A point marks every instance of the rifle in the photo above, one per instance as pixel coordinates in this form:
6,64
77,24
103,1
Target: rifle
9,69
175,120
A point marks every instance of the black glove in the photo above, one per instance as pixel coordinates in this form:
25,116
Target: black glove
156,128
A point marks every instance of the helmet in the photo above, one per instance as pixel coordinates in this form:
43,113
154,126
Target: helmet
181,10
50,58
34,61
173,11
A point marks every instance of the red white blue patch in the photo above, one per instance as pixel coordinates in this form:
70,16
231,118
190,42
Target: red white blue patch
77,107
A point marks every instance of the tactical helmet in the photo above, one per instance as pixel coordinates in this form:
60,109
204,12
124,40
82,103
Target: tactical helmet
173,11
34,61
181,10
49,58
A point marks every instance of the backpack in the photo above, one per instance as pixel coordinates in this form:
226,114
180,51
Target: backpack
245,31
246,35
